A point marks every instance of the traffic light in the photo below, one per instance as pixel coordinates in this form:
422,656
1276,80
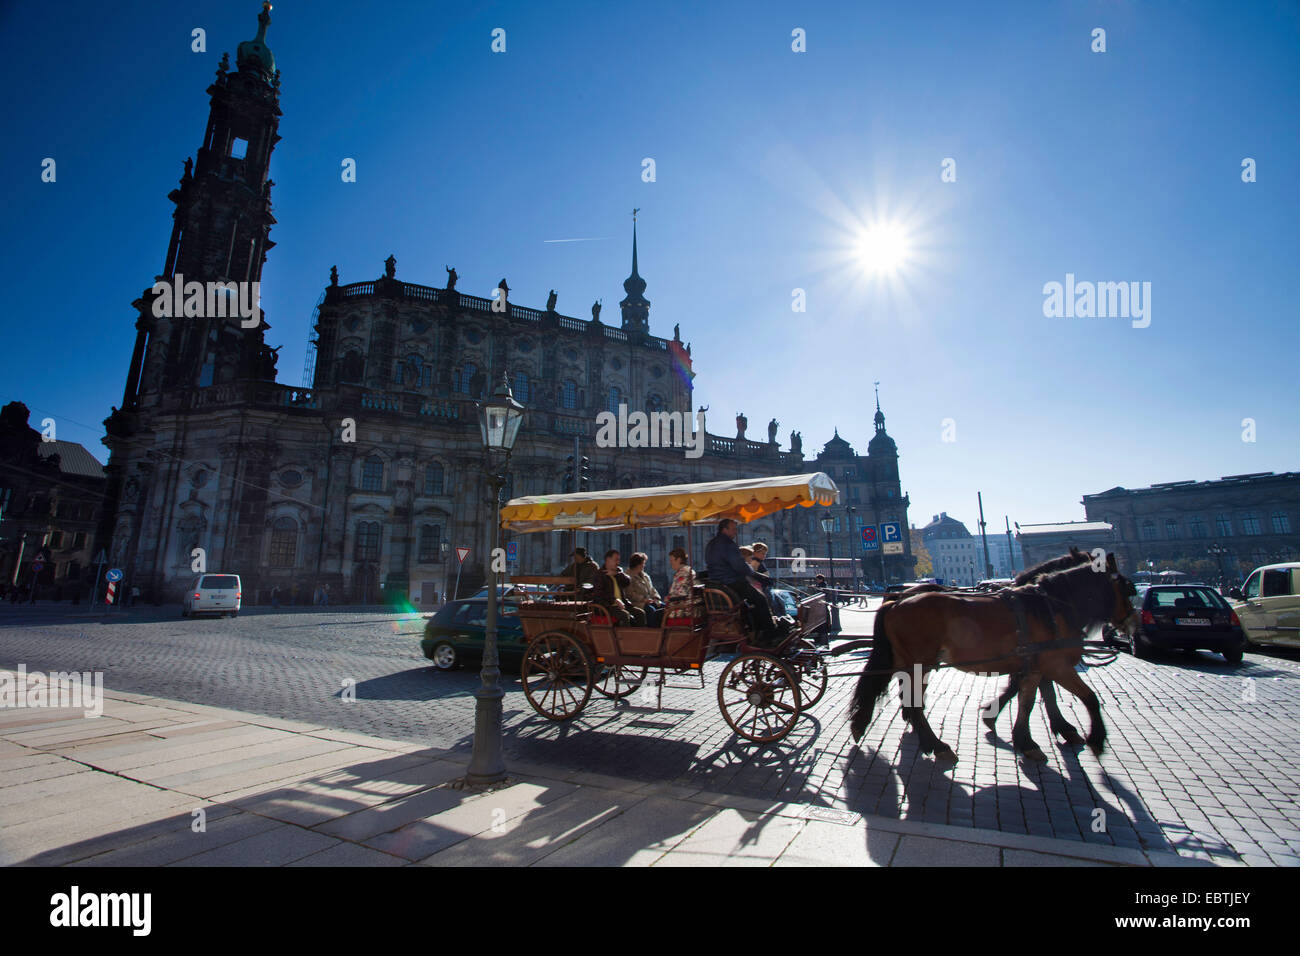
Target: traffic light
584,474
569,476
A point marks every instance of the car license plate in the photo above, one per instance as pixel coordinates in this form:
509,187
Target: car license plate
1200,621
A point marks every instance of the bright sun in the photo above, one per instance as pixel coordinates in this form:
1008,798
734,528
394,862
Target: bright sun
883,248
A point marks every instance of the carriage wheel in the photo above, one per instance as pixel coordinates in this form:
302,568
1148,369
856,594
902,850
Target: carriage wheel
557,675
759,697
621,680
813,678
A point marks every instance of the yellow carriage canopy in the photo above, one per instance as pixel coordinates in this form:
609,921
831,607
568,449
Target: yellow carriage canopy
668,505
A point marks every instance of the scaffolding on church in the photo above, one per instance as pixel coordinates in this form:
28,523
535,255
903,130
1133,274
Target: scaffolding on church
309,359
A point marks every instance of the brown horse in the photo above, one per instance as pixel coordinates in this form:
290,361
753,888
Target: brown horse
1046,689
979,633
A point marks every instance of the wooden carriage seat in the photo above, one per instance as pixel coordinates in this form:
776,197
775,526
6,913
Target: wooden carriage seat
723,612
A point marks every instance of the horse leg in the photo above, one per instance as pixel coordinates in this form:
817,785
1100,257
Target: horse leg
990,712
914,713
1071,681
1020,738
1067,730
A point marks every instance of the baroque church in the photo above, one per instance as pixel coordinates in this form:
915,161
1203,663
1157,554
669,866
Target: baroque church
209,451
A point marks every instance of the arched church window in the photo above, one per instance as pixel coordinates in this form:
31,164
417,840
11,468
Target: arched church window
569,394
284,543
520,387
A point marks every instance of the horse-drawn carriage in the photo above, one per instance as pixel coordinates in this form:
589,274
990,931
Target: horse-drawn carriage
575,648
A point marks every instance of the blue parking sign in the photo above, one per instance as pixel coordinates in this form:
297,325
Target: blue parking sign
891,531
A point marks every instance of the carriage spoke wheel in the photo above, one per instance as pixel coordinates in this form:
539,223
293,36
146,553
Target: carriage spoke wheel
813,677
759,697
557,675
621,680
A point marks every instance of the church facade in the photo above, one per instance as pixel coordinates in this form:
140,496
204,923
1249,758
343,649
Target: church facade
369,479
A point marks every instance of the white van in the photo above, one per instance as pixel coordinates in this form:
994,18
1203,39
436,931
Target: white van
1269,604
212,594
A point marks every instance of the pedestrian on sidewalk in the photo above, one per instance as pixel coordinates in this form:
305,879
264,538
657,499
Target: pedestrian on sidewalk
275,596
325,596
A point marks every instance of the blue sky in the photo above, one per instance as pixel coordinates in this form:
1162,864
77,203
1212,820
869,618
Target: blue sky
1115,166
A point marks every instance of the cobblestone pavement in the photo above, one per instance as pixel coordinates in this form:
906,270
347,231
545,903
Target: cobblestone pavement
1202,759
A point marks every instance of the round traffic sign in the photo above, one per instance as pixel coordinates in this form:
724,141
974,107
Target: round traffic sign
114,575
868,532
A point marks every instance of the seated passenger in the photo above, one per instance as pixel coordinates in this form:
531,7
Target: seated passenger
586,569
760,555
681,593
610,586
641,590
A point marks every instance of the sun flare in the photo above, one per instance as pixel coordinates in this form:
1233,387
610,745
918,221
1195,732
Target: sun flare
883,249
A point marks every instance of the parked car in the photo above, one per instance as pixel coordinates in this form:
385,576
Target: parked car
213,594
1186,617
1269,604
454,636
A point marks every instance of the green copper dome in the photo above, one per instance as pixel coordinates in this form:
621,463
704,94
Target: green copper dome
254,54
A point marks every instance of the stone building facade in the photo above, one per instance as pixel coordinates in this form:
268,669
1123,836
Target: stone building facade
956,555
1043,542
371,477
51,501
1231,525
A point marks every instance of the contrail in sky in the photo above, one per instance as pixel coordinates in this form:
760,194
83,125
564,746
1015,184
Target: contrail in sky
591,239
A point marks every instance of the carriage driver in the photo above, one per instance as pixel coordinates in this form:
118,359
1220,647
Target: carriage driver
728,568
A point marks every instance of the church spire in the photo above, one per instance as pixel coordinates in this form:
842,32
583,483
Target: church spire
254,54
636,307
880,416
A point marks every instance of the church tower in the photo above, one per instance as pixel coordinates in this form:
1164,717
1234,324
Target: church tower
220,233
635,306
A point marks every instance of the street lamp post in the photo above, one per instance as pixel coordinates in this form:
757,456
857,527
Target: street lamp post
443,547
499,421
852,557
1218,551
828,525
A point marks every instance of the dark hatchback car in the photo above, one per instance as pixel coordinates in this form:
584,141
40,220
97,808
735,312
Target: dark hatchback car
1187,617
454,636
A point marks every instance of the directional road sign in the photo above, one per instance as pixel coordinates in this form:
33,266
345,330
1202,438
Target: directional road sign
114,574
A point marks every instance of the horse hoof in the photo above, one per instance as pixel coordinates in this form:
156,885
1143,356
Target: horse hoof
945,754
1036,755
1097,748
990,723
1072,738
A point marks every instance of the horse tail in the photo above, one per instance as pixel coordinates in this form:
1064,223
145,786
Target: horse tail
875,680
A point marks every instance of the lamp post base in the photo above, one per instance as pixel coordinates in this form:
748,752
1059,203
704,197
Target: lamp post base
487,765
